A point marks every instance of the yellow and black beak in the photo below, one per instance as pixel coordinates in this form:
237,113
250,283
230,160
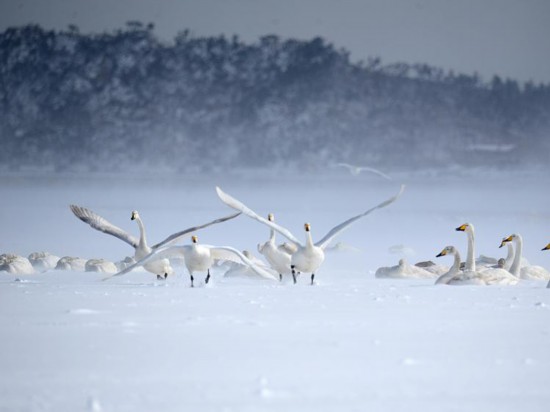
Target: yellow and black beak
462,228
307,227
270,217
133,217
505,240
194,239
547,247
442,253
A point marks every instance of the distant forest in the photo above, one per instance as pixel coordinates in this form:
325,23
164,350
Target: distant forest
123,101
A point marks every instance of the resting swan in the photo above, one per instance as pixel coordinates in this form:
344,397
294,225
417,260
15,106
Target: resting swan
403,270
471,261
198,258
455,276
71,263
43,261
15,264
278,256
308,256
531,272
161,267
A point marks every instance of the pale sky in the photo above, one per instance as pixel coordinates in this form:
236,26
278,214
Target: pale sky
510,38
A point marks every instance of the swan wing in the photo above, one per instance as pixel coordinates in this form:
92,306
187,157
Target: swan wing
289,248
160,253
177,235
337,229
375,171
103,225
232,254
237,205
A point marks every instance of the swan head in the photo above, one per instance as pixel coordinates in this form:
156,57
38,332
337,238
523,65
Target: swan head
547,247
270,217
194,239
307,227
447,250
466,227
135,215
508,239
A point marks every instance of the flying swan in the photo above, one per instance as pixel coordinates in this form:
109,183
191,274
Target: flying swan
308,256
198,258
278,256
355,170
161,267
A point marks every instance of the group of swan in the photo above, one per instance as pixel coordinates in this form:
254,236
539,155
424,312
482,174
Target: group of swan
294,256
481,271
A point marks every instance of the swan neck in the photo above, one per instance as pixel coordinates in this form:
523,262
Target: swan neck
470,260
509,257
309,240
142,236
272,235
455,268
514,270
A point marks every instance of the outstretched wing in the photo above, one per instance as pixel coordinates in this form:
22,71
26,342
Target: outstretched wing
103,225
375,171
229,253
177,235
160,253
336,230
237,205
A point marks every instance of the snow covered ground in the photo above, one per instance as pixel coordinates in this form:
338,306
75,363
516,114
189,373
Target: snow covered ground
352,342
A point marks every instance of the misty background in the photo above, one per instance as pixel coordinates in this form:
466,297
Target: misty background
183,94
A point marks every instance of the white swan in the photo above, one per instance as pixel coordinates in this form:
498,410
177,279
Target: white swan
455,276
308,256
355,170
237,269
472,262
198,258
100,265
531,272
15,264
161,267
403,270
278,256
71,263
43,261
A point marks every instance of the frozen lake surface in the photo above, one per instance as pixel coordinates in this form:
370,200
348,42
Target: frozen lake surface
351,342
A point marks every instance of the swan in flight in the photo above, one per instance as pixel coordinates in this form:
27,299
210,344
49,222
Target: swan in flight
531,272
456,276
15,264
161,267
278,256
355,170
308,256
404,270
198,258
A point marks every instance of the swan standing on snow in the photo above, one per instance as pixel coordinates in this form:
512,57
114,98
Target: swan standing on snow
455,276
531,272
308,256
355,170
199,258
161,267
278,256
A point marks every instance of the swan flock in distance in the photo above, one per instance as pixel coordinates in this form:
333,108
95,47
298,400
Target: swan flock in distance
289,259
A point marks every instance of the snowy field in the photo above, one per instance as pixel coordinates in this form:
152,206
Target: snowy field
70,342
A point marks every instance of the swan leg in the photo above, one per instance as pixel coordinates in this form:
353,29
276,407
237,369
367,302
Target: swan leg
312,277
293,274
165,276
207,277
159,277
192,279
280,277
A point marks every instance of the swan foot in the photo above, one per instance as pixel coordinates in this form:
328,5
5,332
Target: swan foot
293,274
207,277
160,277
